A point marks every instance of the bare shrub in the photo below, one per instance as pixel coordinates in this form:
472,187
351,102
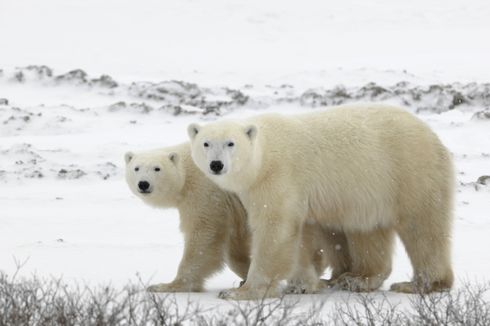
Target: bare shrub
466,306
35,301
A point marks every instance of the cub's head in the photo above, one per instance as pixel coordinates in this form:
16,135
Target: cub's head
155,176
223,150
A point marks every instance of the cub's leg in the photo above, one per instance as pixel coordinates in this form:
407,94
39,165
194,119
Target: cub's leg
337,254
371,254
203,256
238,255
320,248
305,277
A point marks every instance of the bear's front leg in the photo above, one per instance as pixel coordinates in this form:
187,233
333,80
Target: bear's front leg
276,235
203,256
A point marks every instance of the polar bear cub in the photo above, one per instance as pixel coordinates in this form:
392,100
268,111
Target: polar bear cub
368,170
214,224
213,221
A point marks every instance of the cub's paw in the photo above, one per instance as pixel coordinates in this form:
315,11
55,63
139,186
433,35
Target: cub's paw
174,287
295,289
404,287
227,294
247,293
327,283
300,287
356,283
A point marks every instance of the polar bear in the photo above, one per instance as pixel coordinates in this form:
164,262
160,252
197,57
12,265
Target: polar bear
368,170
214,224
212,221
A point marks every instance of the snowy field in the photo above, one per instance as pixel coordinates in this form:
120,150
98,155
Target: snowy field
82,82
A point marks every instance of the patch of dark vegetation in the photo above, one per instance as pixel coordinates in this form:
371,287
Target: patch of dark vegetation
36,174
131,107
78,76
23,161
174,110
4,101
482,115
12,118
41,71
107,170
181,97
105,81
237,96
484,180
168,91
481,184
71,173
23,150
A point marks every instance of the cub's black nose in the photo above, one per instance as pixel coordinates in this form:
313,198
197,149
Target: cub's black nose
143,185
216,166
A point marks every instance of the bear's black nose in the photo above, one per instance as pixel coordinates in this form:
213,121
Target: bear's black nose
216,166
143,185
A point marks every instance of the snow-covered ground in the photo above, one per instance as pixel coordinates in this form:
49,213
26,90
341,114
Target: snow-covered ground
64,204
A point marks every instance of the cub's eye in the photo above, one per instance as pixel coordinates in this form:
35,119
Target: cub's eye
157,169
206,144
136,169
231,144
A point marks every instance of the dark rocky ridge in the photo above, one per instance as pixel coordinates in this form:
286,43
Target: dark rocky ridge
180,97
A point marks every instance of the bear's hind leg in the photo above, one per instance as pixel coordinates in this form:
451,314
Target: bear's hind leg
371,254
427,242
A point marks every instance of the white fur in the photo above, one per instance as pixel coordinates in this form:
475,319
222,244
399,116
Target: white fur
368,170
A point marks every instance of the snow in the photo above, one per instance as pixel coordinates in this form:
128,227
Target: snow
251,41
65,207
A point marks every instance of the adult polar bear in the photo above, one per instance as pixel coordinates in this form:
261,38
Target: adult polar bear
369,170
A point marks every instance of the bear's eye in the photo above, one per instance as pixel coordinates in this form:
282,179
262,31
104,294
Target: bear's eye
206,144
157,169
231,144
136,169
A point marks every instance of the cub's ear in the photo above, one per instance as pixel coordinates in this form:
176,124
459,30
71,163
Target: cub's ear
251,131
128,157
174,157
193,130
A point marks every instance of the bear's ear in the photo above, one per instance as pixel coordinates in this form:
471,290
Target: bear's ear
251,131
193,130
174,157
128,157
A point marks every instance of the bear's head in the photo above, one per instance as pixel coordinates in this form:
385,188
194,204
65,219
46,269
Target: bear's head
225,151
155,176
